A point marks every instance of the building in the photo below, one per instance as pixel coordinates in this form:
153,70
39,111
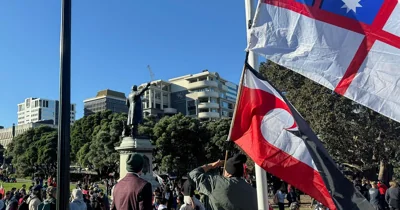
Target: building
106,100
204,95
38,109
157,99
8,134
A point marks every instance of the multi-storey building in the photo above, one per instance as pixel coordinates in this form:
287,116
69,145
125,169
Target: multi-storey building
106,100
157,99
38,109
7,134
204,95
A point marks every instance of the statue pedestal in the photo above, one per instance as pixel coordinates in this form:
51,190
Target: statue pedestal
142,146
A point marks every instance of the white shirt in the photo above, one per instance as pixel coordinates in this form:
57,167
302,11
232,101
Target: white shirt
161,207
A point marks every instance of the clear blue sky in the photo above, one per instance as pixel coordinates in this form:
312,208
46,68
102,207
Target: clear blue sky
112,43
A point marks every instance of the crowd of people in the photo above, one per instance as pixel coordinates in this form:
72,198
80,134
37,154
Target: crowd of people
207,187
42,196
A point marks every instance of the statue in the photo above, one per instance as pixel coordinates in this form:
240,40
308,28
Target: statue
126,131
135,113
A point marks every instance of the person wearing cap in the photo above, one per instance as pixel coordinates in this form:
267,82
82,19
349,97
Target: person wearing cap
132,192
227,191
35,199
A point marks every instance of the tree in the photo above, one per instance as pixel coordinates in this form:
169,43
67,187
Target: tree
146,128
94,139
34,151
178,144
215,139
353,135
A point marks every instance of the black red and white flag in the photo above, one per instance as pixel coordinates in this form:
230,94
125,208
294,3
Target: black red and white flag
270,130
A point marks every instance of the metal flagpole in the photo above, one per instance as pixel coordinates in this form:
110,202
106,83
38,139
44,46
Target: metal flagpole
261,176
63,162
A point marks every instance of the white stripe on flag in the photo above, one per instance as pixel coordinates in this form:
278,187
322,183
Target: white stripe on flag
322,52
376,83
393,23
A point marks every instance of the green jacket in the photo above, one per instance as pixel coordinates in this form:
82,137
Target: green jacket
224,193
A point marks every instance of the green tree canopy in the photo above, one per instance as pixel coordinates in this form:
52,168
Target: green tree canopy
37,148
93,141
179,145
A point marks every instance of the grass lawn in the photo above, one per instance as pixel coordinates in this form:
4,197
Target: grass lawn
28,183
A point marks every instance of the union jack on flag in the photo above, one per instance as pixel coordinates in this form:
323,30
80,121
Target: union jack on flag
349,46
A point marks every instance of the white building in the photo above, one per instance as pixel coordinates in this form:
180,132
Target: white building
157,99
39,109
204,95
7,134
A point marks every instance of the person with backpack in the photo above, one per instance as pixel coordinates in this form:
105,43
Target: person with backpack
50,202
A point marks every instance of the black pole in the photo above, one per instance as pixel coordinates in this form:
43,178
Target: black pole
63,153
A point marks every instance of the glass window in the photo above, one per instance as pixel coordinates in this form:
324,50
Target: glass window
203,100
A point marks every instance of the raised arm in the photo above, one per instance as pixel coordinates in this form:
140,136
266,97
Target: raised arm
203,178
144,89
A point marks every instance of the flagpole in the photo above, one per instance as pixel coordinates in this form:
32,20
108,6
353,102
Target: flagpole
63,161
261,176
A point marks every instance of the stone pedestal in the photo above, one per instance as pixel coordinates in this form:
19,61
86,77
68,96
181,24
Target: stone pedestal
142,146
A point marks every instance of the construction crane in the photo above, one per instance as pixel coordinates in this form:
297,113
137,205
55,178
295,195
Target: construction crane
151,73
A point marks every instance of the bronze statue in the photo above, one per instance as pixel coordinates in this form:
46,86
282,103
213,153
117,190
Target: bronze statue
135,113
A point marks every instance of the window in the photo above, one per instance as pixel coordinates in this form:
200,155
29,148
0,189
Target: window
203,110
213,100
158,96
225,104
203,100
158,106
191,103
192,112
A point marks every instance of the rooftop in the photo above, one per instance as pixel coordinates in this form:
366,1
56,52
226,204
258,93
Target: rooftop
112,93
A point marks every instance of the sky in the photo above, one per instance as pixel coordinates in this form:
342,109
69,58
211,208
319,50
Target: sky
112,44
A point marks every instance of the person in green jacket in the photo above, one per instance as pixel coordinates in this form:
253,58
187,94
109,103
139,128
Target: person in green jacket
50,202
228,191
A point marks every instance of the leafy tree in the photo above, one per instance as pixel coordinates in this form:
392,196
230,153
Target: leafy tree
95,146
146,128
215,139
178,144
34,151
